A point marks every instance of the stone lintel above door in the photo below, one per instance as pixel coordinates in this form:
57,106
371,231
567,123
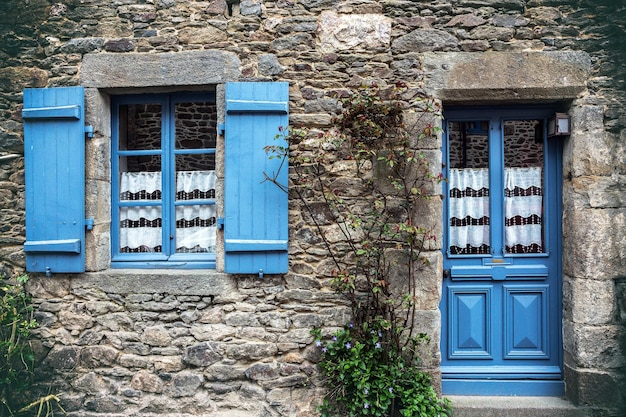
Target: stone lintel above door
495,77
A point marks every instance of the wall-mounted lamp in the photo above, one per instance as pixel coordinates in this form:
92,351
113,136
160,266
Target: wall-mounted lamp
559,125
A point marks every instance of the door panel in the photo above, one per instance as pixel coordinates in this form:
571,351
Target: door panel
501,303
469,314
526,315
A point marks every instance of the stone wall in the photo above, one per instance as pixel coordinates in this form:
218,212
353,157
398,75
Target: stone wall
136,343
193,343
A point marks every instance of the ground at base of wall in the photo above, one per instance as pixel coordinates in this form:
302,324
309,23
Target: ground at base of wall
465,406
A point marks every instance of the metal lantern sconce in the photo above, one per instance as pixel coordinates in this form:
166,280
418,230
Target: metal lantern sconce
559,125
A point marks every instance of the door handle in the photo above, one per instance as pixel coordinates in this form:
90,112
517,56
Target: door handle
446,273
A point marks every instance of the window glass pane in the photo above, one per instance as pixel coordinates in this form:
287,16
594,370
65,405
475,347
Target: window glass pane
469,187
140,127
196,125
523,186
195,229
141,182
195,162
192,185
140,229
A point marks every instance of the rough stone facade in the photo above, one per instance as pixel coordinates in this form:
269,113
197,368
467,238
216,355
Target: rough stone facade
133,342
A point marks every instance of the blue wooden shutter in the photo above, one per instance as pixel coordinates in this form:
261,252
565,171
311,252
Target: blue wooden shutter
255,211
54,157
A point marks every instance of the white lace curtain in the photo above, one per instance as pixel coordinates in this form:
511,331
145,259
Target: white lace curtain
469,210
141,226
523,210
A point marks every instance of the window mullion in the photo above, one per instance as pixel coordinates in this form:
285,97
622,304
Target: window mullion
169,180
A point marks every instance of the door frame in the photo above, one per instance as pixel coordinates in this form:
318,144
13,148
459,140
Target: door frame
553,184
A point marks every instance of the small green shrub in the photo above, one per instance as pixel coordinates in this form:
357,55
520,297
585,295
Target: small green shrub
17,360
368,377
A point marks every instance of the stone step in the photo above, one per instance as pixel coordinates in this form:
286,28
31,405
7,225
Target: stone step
478,406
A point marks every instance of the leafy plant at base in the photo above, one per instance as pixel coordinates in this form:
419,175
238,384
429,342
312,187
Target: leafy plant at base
17,362
370,380
370,229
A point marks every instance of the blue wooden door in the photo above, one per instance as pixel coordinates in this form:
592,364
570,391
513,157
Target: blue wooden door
501,300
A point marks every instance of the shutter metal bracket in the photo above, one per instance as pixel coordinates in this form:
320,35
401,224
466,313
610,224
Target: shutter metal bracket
221,128
89,131
260,274
220,223
89,223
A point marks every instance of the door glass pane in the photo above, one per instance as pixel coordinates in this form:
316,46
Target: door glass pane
523,186
469,187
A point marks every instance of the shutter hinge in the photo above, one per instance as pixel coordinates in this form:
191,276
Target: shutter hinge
89,131
89,223
221,128
220,223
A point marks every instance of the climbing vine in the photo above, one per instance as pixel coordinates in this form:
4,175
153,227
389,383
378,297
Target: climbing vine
370,228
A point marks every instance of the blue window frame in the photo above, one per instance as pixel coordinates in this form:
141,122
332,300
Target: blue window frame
163,180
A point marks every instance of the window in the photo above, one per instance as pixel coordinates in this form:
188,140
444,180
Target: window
163,178
165,195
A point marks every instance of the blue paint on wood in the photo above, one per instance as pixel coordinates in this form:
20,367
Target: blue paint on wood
255,210
470,312
526,322
53,246
54,155
501,312
55,112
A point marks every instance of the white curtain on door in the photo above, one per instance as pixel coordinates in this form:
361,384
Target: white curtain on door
523,210
140,227
469,210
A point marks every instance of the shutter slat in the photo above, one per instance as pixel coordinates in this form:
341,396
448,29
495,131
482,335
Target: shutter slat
232,245
247,106
54,158
60,112
67,245
255,211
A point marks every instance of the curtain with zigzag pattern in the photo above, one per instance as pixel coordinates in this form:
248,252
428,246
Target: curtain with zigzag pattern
470,211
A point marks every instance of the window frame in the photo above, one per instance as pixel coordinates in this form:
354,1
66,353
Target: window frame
168,258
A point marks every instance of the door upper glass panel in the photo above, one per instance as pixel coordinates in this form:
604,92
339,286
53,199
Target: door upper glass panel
523,186
469,188
496,182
